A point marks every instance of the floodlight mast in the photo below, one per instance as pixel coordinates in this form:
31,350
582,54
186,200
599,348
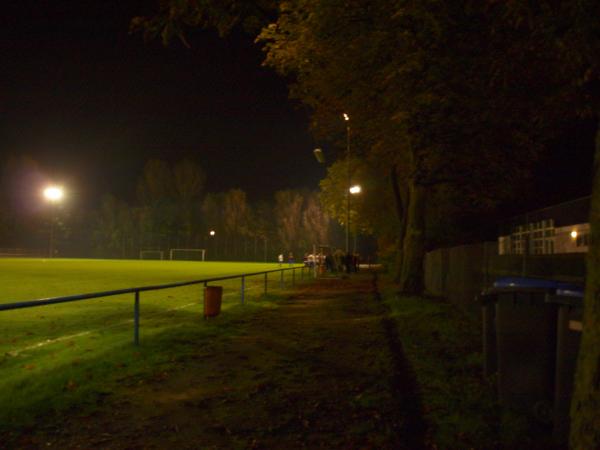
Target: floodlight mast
212,234
53,194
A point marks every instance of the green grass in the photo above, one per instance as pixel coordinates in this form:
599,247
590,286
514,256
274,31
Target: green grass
443,344
60,355
26,278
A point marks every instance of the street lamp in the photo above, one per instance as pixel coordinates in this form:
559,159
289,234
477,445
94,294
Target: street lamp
354,190
212,234
53,194
347,119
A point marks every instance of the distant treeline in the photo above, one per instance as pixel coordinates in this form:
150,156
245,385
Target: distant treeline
171,209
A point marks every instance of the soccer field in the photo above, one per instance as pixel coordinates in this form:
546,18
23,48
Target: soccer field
29,279
57,341
26,279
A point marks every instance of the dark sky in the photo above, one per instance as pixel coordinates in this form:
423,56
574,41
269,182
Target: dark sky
91,103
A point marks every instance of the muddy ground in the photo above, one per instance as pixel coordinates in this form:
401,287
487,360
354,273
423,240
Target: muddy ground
322,370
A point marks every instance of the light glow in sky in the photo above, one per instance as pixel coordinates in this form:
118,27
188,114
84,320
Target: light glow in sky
54,193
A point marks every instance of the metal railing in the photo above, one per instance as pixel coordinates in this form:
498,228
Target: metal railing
136,291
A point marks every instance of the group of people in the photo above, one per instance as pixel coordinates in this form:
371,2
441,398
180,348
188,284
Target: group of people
336,261
333,261
280,259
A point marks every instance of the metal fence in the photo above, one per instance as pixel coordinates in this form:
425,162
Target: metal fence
137,290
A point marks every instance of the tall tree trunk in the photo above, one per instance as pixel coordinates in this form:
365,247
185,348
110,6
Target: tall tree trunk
413,248
585,407
400,203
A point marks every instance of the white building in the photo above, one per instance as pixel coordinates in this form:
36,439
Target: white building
561,228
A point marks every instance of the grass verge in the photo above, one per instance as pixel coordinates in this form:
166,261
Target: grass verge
77,374
443,345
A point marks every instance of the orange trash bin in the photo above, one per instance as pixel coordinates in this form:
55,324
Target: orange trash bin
212,300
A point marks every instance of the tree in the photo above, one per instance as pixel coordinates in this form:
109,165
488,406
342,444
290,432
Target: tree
419,82
175,17
235,216
288,216
189,180
315,221
114,229
334,188
416,78
260,227
156,193
212,208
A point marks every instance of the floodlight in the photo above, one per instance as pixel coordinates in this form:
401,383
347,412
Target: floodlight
346,117
319,155
356,189
574,234
211,232
54,193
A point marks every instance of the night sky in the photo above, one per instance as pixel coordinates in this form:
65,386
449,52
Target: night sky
92,103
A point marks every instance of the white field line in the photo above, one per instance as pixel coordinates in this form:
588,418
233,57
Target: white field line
118,324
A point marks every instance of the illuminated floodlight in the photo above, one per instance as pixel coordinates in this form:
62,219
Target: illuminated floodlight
346,117
54,193
212,232
574,234
356,189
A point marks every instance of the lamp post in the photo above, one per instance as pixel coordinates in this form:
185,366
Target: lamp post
347,119
212,234
53,194
355,190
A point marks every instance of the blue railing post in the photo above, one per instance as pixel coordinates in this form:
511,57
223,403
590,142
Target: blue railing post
136,319
243,286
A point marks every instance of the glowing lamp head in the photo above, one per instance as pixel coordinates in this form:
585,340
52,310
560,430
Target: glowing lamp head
346,117
574,234
211,232
356,189
54,193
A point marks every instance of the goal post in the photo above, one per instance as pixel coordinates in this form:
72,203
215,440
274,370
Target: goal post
152,254
187,254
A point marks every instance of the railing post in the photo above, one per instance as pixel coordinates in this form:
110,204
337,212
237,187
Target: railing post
136,319
266,283
293,276
243,285
281,284
302,274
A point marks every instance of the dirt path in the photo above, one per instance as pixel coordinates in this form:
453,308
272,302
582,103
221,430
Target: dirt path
316,372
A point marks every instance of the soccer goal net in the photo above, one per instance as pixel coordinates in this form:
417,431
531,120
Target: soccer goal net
152,254
187,254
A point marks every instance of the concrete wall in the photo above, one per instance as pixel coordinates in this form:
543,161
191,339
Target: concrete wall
460,273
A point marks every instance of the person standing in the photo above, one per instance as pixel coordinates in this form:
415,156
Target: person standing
280,259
